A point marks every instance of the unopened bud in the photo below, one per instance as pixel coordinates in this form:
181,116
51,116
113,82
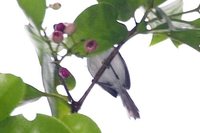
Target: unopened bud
57,36
69,28
59,27
55,6
63,72
90,46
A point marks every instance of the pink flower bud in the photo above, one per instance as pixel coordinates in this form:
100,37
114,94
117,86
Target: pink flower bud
90,46
59,27
69,28
63,72
57,36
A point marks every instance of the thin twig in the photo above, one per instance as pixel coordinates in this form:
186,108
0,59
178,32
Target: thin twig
46,39
177,14
186,12
70,98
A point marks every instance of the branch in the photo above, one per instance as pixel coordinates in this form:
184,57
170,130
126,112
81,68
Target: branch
115,51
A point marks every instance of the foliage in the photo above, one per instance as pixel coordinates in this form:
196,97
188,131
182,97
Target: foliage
91,23
96,29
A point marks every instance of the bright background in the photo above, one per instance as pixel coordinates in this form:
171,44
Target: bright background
165,80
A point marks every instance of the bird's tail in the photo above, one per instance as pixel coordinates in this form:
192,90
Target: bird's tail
129,104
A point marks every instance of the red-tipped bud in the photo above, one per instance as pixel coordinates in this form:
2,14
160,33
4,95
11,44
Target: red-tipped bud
90,46
63,72
69,28
55,6
59,27
57,36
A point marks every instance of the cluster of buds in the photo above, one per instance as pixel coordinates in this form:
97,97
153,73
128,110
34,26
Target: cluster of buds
60,29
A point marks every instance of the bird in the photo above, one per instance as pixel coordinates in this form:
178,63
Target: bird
115,79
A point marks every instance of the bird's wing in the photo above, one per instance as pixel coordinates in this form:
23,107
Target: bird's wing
119,67
107,87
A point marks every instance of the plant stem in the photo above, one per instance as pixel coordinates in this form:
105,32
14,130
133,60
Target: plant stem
70,98
77,105
46,39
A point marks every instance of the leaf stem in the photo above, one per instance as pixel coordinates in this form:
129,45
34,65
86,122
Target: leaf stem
70,98
54,96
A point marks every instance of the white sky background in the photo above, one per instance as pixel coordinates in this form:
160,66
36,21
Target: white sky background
165,80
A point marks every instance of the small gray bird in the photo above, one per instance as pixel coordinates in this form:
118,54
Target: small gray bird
115,79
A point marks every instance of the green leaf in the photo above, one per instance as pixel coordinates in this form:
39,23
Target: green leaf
41,124
190,37
152,3
34,10
31,94
39,43
49,74
70,82
142,27
125,8
81,124
176,42
98,23
196,23
159,34
12,91
158,38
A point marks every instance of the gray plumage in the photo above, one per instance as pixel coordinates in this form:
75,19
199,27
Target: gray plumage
115,79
